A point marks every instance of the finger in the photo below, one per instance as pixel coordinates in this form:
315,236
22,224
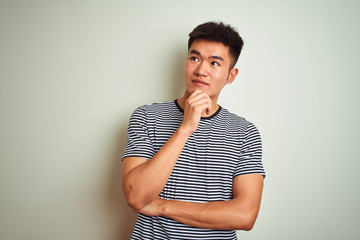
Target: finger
195,93
204,107
203,104
203,98
197,97
200,102
206,100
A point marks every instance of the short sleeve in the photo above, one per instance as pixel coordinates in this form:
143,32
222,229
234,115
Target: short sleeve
250,161
138,142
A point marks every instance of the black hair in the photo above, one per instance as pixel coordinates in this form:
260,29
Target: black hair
219,32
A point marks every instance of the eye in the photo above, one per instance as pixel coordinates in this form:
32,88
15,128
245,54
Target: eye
194,59
215,63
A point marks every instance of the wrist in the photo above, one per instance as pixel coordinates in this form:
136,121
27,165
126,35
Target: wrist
184,131
162,207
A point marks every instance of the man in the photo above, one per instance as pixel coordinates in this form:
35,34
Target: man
191,168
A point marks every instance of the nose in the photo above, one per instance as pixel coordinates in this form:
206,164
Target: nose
201,69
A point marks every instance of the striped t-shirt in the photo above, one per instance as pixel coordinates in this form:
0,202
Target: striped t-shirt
223,146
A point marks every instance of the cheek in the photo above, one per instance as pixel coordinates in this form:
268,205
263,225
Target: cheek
188,71
221,79
220,76
188,67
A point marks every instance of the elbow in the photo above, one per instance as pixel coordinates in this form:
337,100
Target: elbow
135,206
137,199
135,203
246,224
132,199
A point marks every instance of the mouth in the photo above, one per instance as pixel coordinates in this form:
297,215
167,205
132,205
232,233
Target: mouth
199,83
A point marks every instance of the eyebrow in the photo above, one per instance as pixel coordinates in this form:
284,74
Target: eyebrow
193,51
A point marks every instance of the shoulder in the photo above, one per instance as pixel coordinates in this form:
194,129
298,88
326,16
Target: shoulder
239,126
235,121
159,110
155,107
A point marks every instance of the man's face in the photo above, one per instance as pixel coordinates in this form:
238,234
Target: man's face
207,68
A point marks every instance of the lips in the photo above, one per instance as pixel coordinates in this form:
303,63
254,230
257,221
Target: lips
199,82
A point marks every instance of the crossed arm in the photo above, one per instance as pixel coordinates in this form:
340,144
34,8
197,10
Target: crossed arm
239,213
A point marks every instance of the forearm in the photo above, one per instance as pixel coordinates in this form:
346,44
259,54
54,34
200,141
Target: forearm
144,182
226,215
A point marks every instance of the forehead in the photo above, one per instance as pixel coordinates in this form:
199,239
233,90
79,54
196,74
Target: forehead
208,48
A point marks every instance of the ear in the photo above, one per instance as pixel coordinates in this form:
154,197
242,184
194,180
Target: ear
232,75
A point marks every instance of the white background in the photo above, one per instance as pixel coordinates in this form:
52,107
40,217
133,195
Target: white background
72,72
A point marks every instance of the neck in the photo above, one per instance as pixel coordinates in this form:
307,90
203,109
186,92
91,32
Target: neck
214,105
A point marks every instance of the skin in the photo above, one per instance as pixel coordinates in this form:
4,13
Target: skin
207,71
